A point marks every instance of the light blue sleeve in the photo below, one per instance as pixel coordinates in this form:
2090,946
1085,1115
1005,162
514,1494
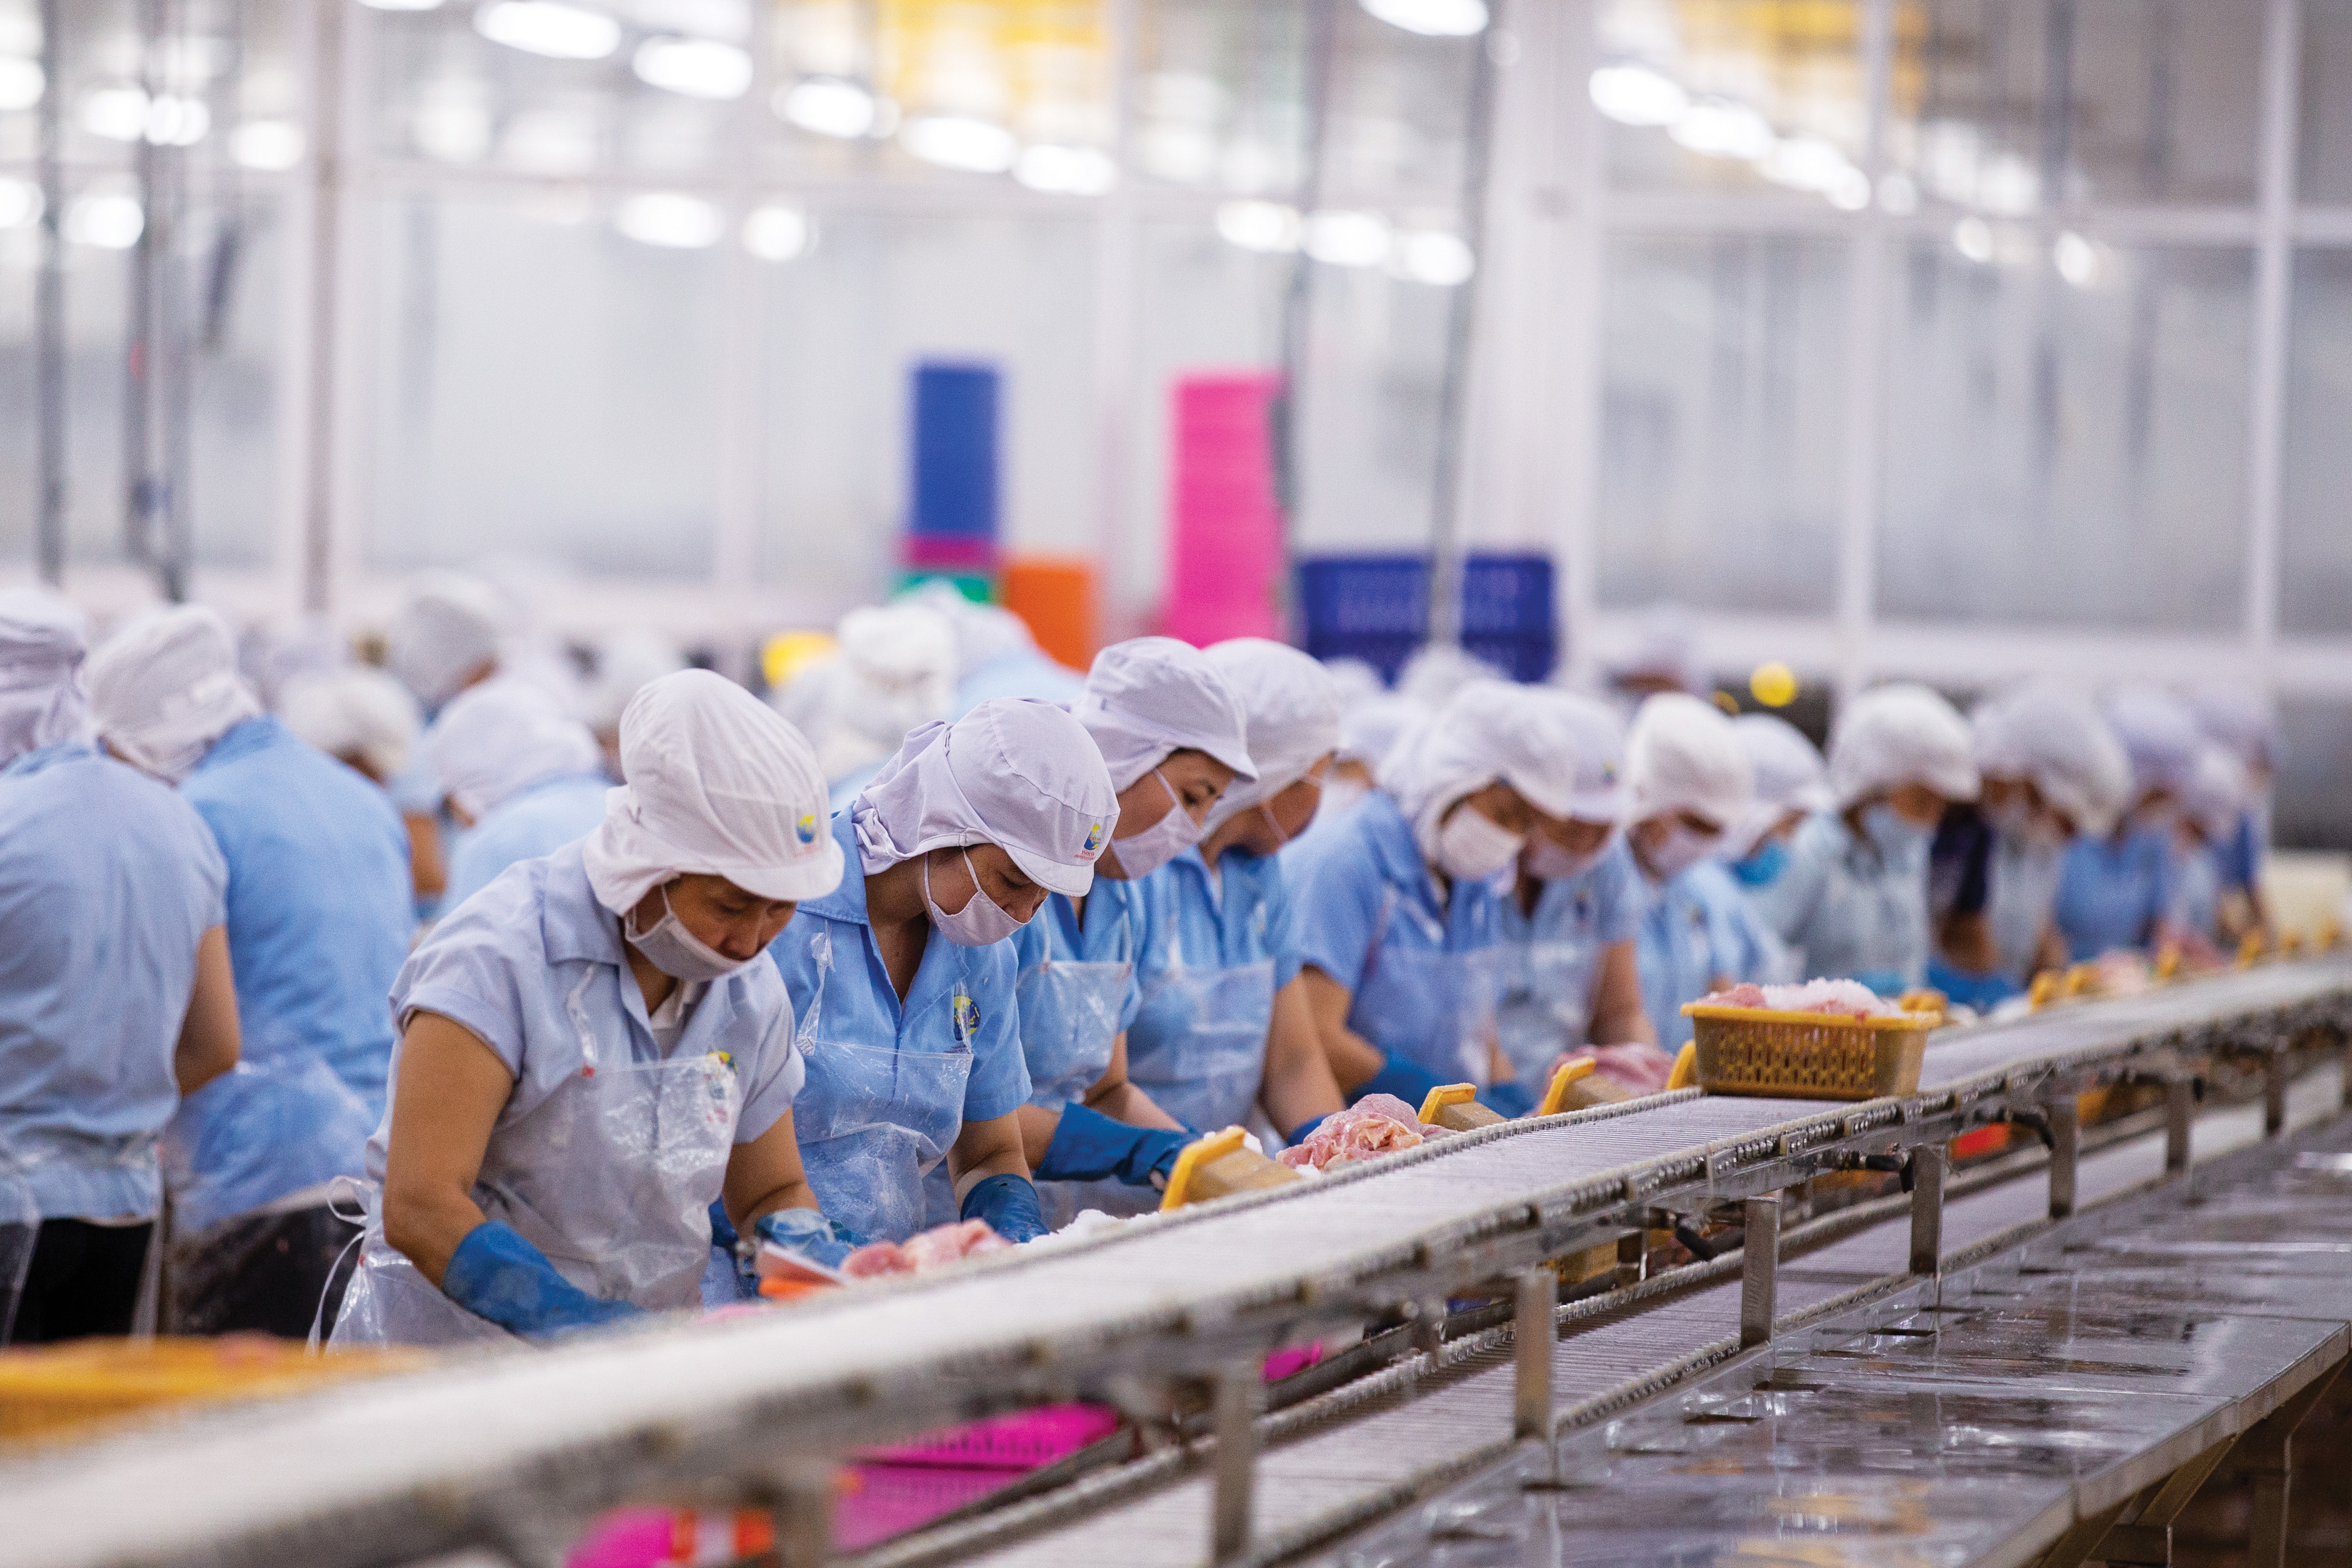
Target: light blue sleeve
1786,903
1618,896
1336,907
999,1084
774,1079
471,969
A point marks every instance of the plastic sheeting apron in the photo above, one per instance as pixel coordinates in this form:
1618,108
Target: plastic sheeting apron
1546,1002
2025,891
874,1120
1070,1022
1425,1005
259,1133
612,1178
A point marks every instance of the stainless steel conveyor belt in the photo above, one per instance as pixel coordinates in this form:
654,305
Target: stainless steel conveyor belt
513,1449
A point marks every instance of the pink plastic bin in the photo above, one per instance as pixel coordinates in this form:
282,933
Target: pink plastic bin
1023,1442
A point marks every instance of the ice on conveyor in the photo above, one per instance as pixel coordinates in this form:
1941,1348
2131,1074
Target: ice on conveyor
1376,1125
1849,999
932,1249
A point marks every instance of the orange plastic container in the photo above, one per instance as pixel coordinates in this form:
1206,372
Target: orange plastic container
1055,595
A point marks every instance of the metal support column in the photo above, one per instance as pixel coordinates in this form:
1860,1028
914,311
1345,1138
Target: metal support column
2266,1456
49,308
1927,1164
2065,1151
2180,1121
1239,1394
1759,1271
1632,1258
803,1516
2274,1078
1533,1335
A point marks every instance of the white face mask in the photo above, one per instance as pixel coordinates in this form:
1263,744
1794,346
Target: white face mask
1148,850
979,924
1470,847
678,953
1340,796
1546,862
1679,851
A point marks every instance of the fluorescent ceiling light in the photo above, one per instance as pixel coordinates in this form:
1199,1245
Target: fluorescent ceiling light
21,82
1433,258
1972,237
777,234
1347,239
107,221
699,68
1723,130
402,4
1066,171
549,27
829,107
961,141
20,202
124,114
728,20
1431,18
2077,261
1805,163
1636,95
266,144
670,220
1266,226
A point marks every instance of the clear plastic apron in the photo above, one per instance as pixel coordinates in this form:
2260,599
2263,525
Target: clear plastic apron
1070,1022
1547,1005
2019,903
612,1177
258,1133
874,1120
1425,1005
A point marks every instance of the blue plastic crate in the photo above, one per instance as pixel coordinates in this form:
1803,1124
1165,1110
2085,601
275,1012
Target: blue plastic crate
952,460
1375,608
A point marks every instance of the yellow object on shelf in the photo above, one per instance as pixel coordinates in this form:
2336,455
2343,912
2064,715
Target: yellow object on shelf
1923,999
1807,1056
1455,1108
1578,1087
2167,961
1218,1165
2044,990
49,1391
2250,948
2083,979
1686,1072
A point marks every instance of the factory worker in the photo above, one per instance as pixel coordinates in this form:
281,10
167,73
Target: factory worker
593,1052
1792,783
2051,772
893,671
626,661
444,637
995,653
1662,660
2117,890
1393,906
2212,805
2242,722
1687,779
1171,732
1222,1031
1568,922
1438,670
115,992
1853,902
523,778
1368,729
905,982
367,720
318,922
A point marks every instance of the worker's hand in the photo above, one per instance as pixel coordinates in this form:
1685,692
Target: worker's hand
496,1274
1009,1204
1089,1147
807,1233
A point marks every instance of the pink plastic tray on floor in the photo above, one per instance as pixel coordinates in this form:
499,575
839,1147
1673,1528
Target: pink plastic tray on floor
1022,1442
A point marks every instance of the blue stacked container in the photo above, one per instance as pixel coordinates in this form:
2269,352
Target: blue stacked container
1375,608
953,490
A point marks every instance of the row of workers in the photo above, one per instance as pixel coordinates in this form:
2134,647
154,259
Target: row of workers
603,1007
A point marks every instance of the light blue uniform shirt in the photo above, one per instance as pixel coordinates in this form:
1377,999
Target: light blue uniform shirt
1551,957
107,880
2196,885
1699,930
318,900
2113,892
1368,912
1242,915
537,969
1110,933
1847,910
533,822
1078,989
860,1005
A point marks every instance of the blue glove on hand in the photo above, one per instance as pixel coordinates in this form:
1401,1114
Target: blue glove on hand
722,1229
1009,1204
1088,1146
1409,1083
496,1274
1982,992
808,1233
1510,1098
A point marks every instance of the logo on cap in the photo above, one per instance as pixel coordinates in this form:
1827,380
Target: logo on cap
806,826
1094,840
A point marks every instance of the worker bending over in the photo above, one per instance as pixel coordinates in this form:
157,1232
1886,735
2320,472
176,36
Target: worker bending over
2119,890
522,778
1689,780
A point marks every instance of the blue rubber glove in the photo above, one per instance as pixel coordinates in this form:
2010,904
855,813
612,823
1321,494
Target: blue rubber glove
808,1233
1887,983
1409,1083
496,1274
1088,1146
1510,1098
1306,1130
722,1229
1982,992
1009,1204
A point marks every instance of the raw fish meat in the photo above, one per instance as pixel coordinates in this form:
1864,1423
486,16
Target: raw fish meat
1849,999
1376,1125
1633,1067
932,1249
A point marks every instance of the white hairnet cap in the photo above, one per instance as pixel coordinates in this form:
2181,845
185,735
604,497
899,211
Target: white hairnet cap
1151,695
1015,772
2056,737
983,633
1665,648
1684,756
497,739
717,785
353,711
1901,734
1370,730
1491,730
2241,718
2158,734
1291,705
626,659
1356,680
166,686
1438,670
42,699
1790,777
1596,737
447,630
2217,793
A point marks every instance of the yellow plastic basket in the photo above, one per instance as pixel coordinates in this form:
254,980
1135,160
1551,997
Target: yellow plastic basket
47,1391
1807,1056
